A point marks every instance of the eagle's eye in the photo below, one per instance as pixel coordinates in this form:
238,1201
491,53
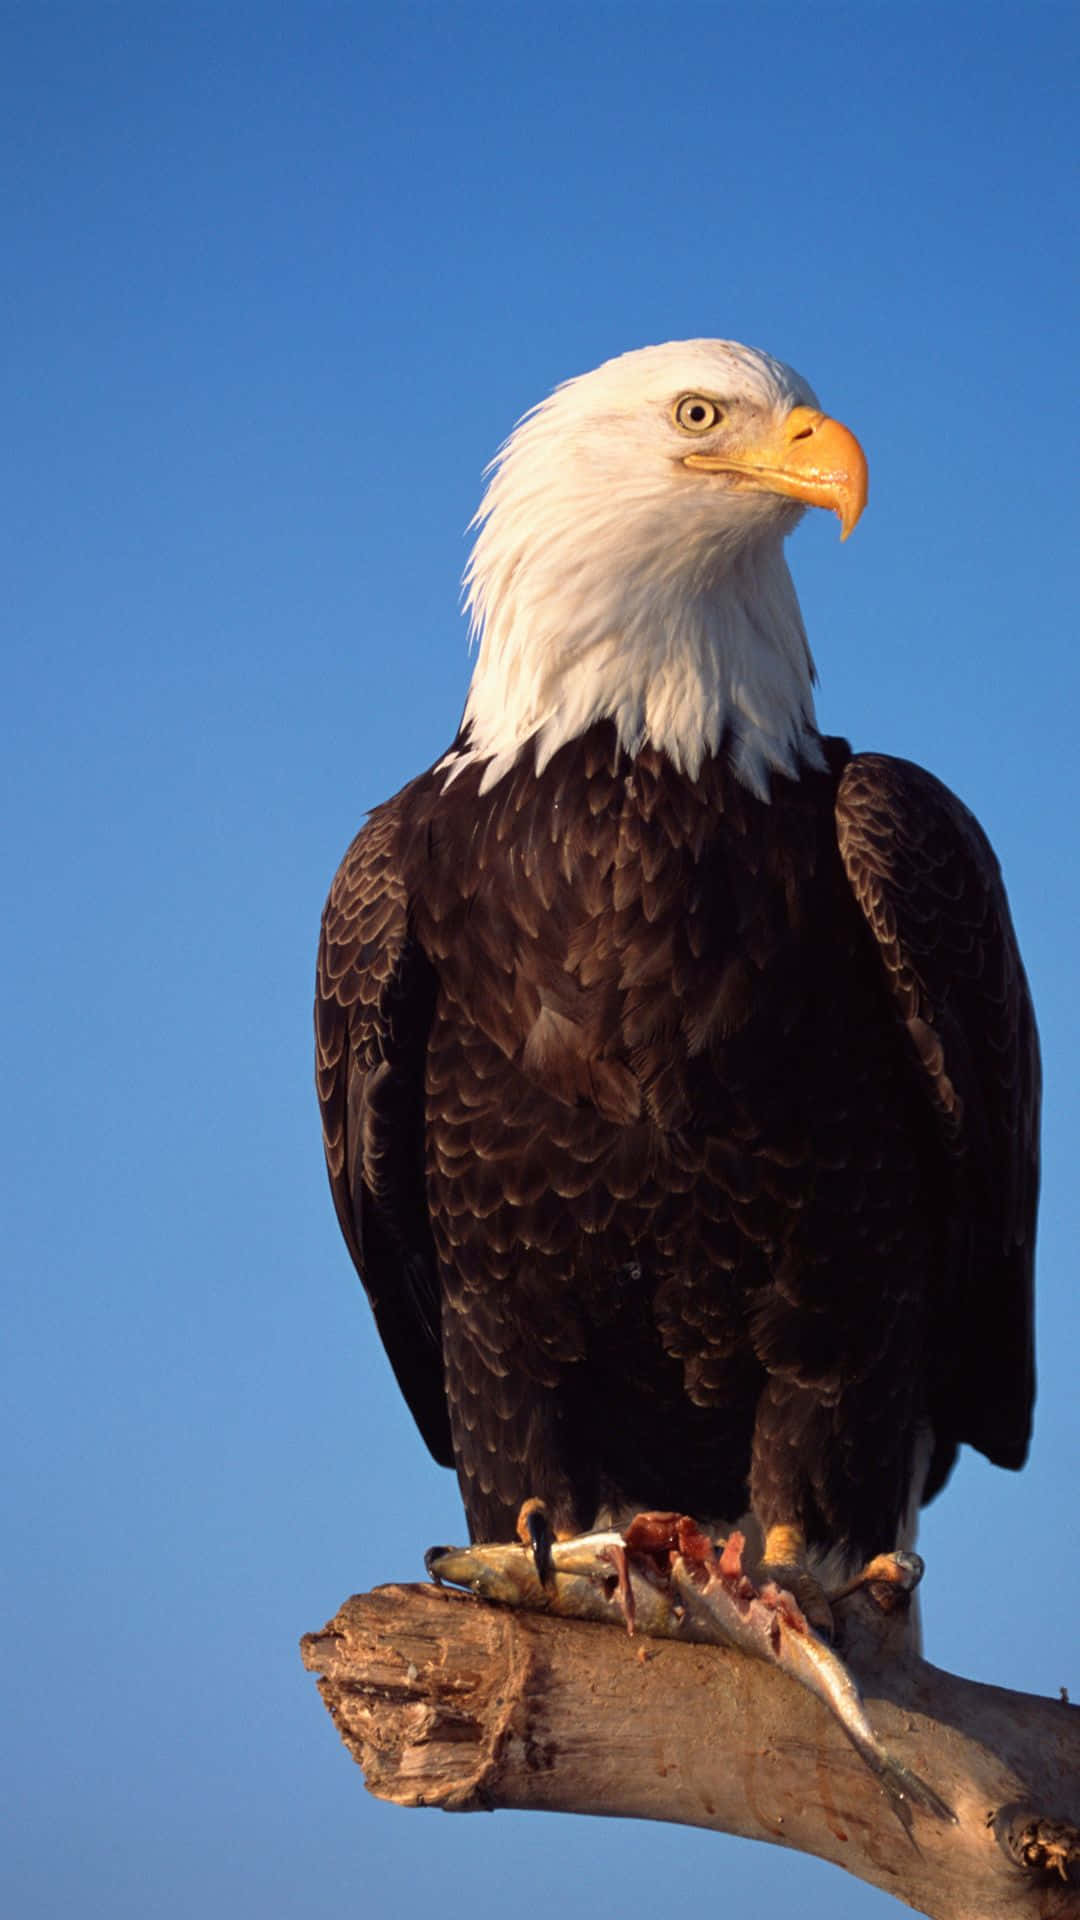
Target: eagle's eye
695,414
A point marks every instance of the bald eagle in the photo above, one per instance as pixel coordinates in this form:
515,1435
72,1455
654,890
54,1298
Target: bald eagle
678,1072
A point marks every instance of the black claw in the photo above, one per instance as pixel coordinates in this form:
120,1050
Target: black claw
540,1539
913,1565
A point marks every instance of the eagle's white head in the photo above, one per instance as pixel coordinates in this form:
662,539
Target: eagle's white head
629,564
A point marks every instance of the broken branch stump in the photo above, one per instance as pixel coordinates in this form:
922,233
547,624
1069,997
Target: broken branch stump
449,1702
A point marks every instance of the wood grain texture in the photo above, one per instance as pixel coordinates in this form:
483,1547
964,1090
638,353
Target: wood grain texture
448,1702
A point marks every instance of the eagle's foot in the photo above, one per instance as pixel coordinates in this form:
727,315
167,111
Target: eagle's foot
783,1565
888,1580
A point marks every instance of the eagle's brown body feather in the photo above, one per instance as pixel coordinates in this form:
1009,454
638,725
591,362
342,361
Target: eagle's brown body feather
686,1142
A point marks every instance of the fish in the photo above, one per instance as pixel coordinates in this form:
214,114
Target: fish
664,1577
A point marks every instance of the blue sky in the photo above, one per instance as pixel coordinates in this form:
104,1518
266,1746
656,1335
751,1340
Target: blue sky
277,280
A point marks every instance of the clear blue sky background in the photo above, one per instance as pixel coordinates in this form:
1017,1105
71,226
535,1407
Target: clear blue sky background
276,281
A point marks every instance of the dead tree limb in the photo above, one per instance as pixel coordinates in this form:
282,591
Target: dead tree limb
446,1701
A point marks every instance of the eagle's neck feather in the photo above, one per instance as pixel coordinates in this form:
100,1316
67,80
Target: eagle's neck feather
681,642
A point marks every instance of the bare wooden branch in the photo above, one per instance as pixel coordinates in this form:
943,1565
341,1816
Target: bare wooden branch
448,1702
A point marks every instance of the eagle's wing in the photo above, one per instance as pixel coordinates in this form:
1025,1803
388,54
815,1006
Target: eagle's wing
926,878
373,1004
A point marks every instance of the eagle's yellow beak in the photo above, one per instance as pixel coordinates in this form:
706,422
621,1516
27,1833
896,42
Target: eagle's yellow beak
807,456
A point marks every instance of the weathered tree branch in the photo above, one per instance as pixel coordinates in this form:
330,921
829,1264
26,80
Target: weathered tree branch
446,1701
